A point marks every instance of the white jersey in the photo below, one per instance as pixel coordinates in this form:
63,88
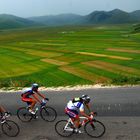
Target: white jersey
75,106
26,90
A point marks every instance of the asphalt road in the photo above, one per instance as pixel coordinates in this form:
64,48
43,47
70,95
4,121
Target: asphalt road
106,101
118,109
117,128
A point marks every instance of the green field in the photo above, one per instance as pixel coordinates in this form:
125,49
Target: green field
61,56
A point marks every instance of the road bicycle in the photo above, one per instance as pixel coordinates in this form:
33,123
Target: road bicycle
93,128
9,127
47,113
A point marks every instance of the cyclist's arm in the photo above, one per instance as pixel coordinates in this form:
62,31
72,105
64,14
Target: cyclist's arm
41,95
36,98
84,114
90,112
88,107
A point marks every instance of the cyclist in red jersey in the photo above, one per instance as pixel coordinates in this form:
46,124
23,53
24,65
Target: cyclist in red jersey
33,91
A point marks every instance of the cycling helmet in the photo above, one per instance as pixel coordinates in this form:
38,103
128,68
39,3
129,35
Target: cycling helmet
35,86
85,98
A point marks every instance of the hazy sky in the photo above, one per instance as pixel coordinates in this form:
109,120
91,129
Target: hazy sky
27,8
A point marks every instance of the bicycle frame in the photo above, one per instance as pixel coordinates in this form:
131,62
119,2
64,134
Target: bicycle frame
5,119
38,107
67,128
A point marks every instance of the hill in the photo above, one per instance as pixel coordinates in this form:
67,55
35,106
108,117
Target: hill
115,16
56,20
135,14
10,21
112,17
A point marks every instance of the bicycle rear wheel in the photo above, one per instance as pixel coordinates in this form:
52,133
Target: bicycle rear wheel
59,128
24,115
95,128
10,128
48,114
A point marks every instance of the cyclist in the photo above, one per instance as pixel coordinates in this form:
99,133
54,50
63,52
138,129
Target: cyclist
5,114
75,106
33,91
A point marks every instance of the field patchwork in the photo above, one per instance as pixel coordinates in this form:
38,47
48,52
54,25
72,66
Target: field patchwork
84,74
43,54
15,68
126,50
115,68
74,55
42,43
55,62
104,55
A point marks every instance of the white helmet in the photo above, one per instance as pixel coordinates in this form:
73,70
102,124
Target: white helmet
85,98
35,86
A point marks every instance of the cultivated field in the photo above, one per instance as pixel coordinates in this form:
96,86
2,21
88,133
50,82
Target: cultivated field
62,56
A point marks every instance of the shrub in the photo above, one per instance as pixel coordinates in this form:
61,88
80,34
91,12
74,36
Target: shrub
126,80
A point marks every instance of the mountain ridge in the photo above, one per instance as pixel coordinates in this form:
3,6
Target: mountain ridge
115,16
8,21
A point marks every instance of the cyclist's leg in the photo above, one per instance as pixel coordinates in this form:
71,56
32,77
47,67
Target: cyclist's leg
31,102
5,114
74,117
2,109
76,120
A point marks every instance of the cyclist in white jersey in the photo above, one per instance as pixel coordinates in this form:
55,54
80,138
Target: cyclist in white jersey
76,106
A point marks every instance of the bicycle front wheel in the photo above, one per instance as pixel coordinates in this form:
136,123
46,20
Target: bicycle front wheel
95,128
48,114
10,128
61,130
24,115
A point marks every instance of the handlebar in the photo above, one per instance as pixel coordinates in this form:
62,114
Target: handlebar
93,113
44,101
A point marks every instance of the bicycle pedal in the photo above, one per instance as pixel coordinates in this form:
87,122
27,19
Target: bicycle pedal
80,132
76,131
36,117
43,106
